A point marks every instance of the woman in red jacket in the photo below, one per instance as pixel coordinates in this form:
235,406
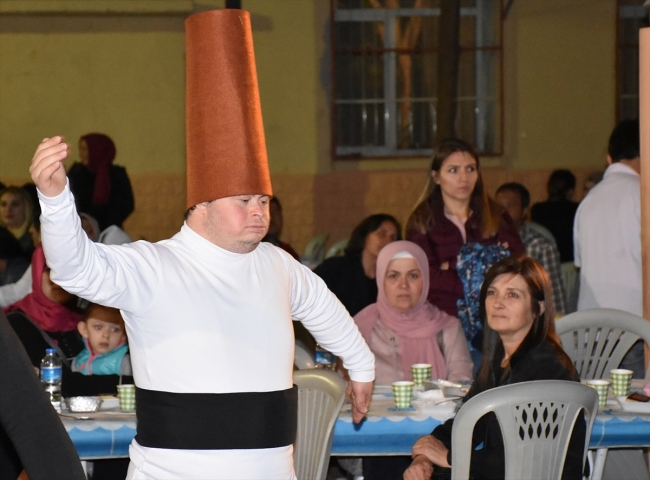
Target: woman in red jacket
455,209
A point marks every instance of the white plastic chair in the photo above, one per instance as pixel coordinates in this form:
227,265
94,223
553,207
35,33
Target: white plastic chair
320,397
536,420
302,358
596,340
315,250
337,249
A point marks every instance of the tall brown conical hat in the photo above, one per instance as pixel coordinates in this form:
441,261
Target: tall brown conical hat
226,150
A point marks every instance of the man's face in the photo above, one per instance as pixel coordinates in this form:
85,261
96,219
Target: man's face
236,224
512,203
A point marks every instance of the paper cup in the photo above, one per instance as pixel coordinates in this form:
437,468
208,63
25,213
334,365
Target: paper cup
402,391
126,395
421,373
601,386
621,381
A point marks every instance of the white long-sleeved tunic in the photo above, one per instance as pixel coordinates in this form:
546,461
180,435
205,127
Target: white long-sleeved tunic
201,319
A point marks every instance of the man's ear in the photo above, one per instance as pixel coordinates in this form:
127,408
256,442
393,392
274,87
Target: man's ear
609,160
82,329
526,212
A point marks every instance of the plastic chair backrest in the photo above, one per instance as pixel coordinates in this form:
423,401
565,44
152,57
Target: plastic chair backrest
337,249
536,420
315,250
596,340
320,397
302,358
571,283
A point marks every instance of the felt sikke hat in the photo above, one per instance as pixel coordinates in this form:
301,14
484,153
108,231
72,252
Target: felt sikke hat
226,150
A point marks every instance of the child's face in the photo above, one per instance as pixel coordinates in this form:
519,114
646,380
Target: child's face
102,336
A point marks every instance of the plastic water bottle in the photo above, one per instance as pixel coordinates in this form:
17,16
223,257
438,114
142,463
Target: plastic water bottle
51,373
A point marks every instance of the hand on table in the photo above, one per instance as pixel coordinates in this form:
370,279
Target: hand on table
47,169
420,469
433,449
360,393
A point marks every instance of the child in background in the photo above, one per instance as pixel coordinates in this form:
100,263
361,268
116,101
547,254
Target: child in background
106,351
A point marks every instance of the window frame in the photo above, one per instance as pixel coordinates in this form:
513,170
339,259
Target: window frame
390,98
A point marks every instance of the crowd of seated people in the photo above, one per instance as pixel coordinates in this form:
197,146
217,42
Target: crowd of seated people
409,298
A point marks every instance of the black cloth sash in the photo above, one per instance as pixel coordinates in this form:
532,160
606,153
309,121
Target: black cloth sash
216,421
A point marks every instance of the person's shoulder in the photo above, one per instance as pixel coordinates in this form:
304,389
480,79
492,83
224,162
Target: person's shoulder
334,264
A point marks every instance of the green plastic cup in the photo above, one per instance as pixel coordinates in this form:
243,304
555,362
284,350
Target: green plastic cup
126,395
602,387
402,391
421,373
621,381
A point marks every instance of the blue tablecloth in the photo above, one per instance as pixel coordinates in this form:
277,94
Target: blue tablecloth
384,432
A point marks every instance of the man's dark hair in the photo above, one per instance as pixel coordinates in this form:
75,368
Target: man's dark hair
560,183
524,194
624,142
358,237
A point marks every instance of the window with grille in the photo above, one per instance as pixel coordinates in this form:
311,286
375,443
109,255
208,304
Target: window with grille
385,66
632,15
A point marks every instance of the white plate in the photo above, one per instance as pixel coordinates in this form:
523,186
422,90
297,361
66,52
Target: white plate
632,406
109,403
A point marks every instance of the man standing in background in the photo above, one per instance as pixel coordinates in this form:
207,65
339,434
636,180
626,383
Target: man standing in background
607,233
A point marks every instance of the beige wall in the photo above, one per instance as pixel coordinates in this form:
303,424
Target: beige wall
123,74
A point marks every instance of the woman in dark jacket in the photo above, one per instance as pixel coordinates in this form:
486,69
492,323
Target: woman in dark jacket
455,209
101,189
352,277
520,345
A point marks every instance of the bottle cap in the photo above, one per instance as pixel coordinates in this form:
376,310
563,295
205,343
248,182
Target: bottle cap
50,350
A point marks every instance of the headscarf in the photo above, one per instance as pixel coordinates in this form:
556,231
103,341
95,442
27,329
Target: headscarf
418,328
101,153
48,315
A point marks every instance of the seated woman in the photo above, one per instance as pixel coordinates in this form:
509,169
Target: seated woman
520,344
16,244
352,277
403,328
16,215
51,309
101,188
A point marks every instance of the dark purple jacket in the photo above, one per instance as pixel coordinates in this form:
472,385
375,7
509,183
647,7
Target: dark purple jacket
442,244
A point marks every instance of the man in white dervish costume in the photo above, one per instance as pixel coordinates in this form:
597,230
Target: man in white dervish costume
208,312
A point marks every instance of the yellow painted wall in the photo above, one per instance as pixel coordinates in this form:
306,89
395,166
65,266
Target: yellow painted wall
124,75
560,91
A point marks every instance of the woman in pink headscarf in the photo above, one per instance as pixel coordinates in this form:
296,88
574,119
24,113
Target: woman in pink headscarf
51,309
101,189
403,328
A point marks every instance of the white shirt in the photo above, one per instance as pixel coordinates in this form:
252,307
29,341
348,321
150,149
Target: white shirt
12,292
201,319
607,243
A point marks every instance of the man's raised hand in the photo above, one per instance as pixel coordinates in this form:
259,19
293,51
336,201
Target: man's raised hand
47,169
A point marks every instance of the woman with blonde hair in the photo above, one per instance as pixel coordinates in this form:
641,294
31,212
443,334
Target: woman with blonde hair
17,215
455,210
